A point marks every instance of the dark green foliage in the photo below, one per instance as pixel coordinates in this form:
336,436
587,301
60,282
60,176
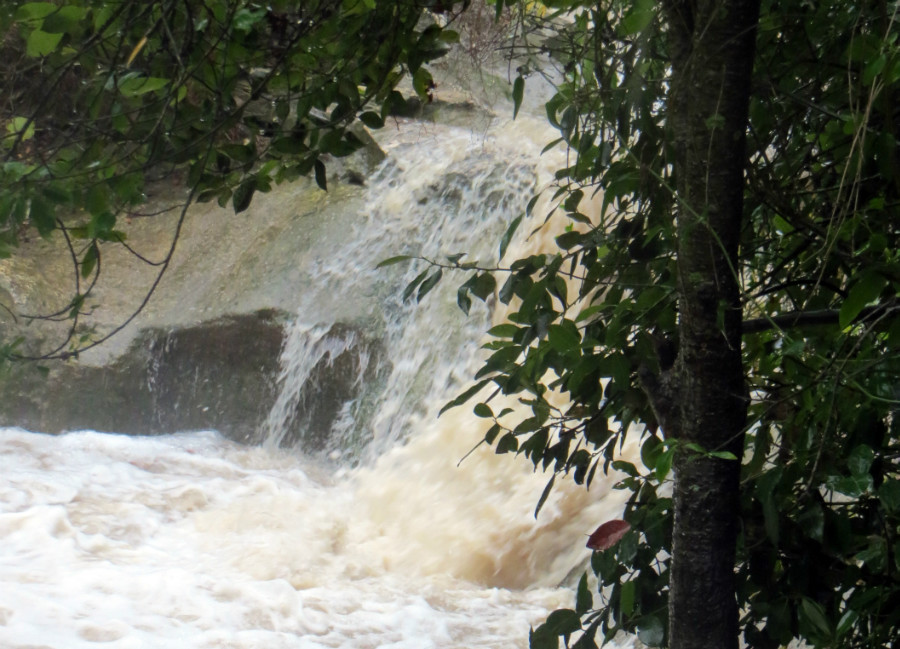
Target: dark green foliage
818,555
229,96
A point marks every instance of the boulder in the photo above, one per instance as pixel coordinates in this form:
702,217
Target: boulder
220,375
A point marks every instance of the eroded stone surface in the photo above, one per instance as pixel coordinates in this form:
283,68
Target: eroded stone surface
219,375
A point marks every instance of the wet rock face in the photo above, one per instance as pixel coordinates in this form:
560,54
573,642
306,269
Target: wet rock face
335,383
221,375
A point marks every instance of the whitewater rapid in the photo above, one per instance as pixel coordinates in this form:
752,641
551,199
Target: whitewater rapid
193,541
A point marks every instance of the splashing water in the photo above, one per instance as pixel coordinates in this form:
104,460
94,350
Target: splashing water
192,541
439,194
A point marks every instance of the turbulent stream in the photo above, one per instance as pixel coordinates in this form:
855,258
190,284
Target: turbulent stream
383,540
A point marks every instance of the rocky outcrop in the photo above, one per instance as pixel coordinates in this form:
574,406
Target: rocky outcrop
238,276
221,375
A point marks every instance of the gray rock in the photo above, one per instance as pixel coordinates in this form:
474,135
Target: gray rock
219,375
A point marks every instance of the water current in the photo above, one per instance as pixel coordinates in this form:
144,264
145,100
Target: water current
387,540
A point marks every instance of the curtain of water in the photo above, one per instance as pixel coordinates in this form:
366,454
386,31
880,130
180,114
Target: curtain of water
306,347
453,193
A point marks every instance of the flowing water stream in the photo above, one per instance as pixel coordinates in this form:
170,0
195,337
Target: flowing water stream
384,539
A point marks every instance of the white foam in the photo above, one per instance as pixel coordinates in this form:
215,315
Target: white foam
191,541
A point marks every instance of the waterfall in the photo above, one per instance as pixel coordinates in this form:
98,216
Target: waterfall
371,533
307,347
451,193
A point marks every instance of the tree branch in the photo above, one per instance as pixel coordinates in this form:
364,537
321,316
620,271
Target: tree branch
810,318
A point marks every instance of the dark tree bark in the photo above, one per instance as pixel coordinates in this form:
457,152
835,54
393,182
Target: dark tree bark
712,49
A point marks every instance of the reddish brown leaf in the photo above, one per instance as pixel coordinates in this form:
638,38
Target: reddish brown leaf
608,534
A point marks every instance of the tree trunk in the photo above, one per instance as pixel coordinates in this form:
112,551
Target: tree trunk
712,49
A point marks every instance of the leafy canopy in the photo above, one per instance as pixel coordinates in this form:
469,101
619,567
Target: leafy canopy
228,96
818,555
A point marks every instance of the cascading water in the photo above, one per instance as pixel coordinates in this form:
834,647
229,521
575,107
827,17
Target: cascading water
306,348
194,541
439,194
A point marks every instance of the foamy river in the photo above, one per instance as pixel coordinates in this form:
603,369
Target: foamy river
192,541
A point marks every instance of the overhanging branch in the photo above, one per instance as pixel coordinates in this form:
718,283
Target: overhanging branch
812,318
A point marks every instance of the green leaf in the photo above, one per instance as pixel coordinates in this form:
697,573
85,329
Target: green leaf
563,622
135,86
889,494
626,598
573,200
483,410
413,285
853,486
627,547
568,240
640,16
321,178
101,224
625,467
43,215
57,194
848,619
541,638
664,463
429,284
17,126
589,311
463,300
293,144
544,494
483,286
339,143
41,43
492,433
584,601
96,201
508,235
860,460
564,337
874,555
552,145
814,615
390,261
866,290
244,19
35,10
507,444
372,119
517,94
65,19
75,305
503,331
243,195
423,83
873,69
465,396
89,261
650,451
